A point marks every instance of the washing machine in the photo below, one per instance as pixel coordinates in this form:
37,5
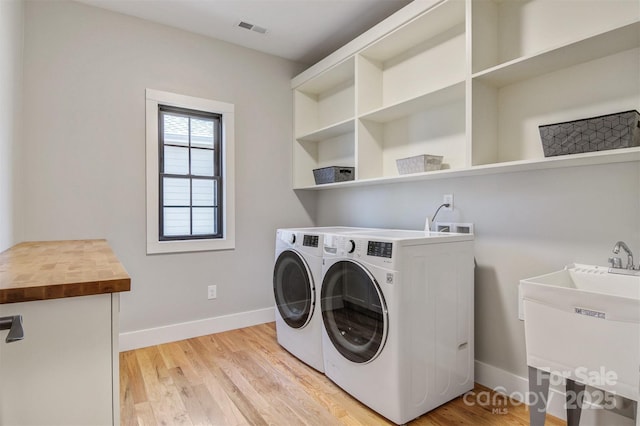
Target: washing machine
397,318
297,275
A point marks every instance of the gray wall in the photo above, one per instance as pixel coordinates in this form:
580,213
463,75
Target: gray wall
11,29
527,223
86,71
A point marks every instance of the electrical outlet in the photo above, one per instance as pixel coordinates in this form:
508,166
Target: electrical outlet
457,227
448,199
212,292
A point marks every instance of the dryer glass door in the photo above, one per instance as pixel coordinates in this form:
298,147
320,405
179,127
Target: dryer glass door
353,311
293,289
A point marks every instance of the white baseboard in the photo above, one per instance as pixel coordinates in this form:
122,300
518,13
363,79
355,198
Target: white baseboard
517,387
186,330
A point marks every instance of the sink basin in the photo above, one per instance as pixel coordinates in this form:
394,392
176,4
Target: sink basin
583,323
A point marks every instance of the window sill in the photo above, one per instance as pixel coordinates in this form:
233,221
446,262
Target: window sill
160,247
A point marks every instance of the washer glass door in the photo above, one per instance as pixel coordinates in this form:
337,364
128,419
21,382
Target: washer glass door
354,312
293,289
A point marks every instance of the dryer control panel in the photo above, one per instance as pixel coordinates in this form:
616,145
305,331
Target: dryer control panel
367,250
310,240
303,242
342,246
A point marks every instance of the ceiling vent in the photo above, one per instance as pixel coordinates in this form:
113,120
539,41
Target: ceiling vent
251,27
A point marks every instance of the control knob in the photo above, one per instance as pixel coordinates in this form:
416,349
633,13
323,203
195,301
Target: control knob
351,246
292,238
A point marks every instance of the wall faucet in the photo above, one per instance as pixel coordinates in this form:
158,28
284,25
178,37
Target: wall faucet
616,250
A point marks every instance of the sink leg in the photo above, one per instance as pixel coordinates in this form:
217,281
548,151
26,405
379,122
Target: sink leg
575,395
539,391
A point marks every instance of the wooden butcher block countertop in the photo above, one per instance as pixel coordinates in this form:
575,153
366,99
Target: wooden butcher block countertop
55,269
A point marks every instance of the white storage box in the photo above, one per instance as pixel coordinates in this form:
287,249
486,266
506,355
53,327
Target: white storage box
419,163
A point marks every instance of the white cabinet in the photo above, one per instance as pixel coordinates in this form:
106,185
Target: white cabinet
471,81
65,371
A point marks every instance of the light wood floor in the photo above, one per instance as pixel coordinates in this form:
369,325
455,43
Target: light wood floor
244,377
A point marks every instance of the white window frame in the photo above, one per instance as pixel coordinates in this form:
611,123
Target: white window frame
227,242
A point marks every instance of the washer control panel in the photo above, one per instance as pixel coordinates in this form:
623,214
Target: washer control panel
380,249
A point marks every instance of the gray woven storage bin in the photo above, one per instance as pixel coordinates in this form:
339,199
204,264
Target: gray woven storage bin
613,131
333,174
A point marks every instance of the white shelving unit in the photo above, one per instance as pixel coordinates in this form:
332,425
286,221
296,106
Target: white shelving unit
325,121
470,80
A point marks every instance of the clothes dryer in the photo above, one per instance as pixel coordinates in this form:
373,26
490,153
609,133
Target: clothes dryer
297,275
397,312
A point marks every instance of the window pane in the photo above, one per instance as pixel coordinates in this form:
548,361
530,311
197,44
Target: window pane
204,221
175,192
202,133
176,160
203,192
176,221
188,172
176,129
202,162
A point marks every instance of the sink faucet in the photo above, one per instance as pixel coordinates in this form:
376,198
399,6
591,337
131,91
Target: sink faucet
615,264
616,250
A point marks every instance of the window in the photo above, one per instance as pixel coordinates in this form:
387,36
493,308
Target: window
190,174
190,200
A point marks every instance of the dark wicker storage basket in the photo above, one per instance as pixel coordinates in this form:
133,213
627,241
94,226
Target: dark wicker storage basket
333,174
613,131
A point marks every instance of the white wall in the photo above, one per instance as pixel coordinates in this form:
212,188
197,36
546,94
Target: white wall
11,30
527,223
86,71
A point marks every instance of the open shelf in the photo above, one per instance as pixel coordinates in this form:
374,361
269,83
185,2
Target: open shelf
506,31
507,127
414,105
309,155
439,130
333,77
471,81
435,21
591,48
420,57
327,101
587,159
329,132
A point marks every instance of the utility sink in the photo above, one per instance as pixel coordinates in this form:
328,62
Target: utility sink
583,323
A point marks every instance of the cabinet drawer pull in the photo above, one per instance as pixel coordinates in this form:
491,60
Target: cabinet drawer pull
14,325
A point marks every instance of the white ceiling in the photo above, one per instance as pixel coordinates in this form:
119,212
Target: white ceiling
300,30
